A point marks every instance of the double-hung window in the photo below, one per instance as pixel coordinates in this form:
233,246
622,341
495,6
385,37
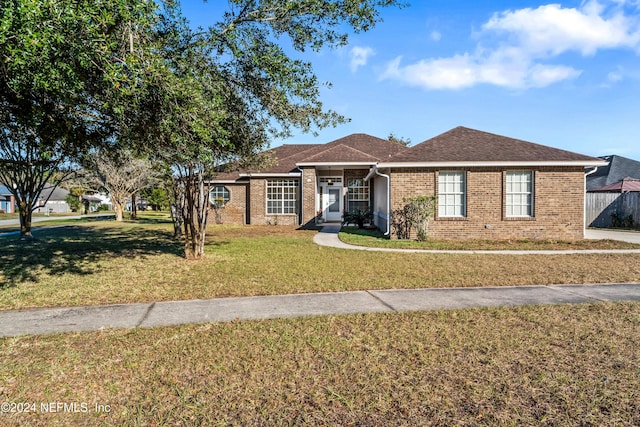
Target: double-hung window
358,194
519,201
452,197
282,196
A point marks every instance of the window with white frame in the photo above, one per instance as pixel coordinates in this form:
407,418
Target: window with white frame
219,196
357,194
282,196
519,194
452,194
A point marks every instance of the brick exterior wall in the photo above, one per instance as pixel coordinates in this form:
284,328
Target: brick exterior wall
558,204
309,190
234,212
258,205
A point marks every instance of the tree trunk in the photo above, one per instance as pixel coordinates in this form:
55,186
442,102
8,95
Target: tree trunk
25,222
194,214
134,207
118,209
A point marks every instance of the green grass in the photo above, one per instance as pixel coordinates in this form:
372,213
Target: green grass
375,239
535,365
548,365
105,262
60,219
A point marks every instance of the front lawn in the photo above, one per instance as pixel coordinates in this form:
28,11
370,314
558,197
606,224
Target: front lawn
138,261
547,365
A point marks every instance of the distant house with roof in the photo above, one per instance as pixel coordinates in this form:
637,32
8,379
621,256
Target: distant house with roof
487,186
7,201
53,200
613,194
616,169
625,185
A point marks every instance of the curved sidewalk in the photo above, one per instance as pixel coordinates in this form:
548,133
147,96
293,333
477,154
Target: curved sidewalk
73,319
328,236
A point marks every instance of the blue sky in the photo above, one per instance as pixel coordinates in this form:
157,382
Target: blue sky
560,74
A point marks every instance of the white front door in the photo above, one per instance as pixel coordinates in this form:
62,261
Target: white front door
333,209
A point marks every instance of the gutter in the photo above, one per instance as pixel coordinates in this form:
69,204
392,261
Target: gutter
584,202
472,164
374,171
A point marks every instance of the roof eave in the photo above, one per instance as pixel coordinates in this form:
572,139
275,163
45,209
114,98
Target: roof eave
274,174
227,181
341,164
581,163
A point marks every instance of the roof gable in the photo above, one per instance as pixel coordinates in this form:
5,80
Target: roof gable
340,153
355,148
462,144
374,147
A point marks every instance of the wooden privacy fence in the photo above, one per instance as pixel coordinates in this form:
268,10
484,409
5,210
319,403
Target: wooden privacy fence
603,209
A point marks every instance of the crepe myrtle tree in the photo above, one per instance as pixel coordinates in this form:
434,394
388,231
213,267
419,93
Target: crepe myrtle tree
119,173
26,168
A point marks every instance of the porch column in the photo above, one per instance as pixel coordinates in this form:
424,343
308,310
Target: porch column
309,190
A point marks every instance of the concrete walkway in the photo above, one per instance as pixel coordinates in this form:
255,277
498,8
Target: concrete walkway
69,319
328,236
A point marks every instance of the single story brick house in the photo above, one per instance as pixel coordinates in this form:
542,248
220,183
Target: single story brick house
487,186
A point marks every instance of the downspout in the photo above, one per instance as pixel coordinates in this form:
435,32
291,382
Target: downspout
584,202
373,170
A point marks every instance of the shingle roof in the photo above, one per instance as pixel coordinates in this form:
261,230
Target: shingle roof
622,186
462,144
355,148
340,153
378,148
618,168
54,194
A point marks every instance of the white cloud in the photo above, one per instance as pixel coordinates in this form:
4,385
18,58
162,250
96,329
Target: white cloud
614,76
552,29
359,57
524,41
463,71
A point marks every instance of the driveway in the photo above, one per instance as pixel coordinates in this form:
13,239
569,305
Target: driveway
602,233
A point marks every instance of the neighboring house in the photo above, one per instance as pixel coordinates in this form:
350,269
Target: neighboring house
7,201
614,205
616,169
55,200
487,186
625,185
